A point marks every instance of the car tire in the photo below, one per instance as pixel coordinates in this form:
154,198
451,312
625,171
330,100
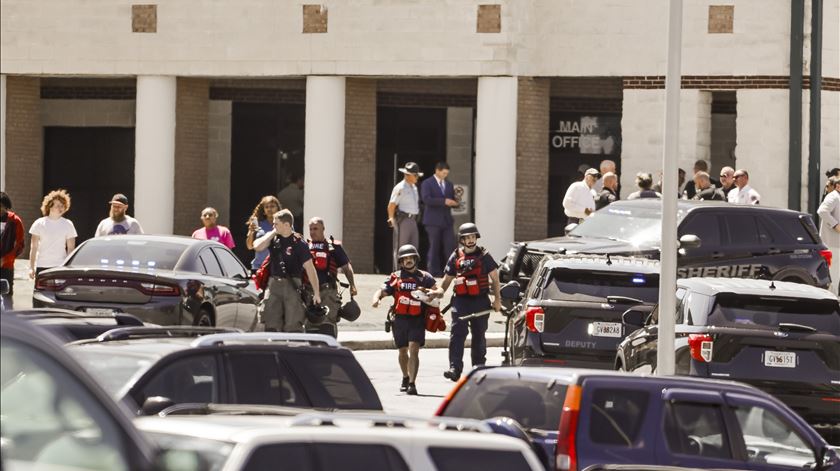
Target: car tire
203,319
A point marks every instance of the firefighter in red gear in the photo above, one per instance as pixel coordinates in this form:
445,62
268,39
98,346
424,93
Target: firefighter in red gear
329,258
474,272
409,325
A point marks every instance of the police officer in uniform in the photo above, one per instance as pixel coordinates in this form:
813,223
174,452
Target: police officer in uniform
281,307
404,207
329,258
409,326
474,272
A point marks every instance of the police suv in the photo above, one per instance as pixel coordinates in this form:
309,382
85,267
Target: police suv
734,241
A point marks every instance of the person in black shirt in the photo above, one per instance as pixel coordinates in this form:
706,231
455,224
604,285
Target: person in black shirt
705,190
609,193
281,307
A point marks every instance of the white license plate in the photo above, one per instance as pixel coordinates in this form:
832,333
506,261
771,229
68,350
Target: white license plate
99,311
605,329
780,359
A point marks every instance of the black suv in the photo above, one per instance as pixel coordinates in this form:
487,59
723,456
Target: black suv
735,241
572,308
151,369
781,337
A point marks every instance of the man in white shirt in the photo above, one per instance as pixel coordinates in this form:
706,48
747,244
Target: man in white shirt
118,222
579,201
829,212
743,194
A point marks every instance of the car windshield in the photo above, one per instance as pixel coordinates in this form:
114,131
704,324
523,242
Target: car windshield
214,452
534,404
132,254
585,285
634,225
111,370
765,312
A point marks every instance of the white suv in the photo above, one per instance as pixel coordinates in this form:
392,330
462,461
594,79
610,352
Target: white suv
346,441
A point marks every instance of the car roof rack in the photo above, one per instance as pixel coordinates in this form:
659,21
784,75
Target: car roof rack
391,421
129,333
251,337
210,408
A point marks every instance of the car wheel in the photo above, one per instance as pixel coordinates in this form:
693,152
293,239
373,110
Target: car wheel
203,319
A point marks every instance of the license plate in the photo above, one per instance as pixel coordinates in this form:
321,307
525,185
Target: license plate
605,329
780,359
99,311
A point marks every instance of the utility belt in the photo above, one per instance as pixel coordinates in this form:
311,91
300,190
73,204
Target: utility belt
291,278
401,214
468,287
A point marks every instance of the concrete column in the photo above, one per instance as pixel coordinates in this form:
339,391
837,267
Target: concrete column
762,149
3,132
324,179
495,162
154,149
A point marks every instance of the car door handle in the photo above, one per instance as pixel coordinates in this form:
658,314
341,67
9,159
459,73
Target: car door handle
773,251
717,255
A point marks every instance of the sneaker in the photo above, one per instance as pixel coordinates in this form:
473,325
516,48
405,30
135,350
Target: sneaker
452,374
411,390
404,385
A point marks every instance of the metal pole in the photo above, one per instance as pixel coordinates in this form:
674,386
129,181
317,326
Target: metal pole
797,20
814,187
668,251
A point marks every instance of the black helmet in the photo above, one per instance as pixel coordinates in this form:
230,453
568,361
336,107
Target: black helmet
316,313
350,310
468,228
407,250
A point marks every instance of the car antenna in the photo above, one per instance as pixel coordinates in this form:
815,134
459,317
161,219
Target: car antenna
772,285
609,262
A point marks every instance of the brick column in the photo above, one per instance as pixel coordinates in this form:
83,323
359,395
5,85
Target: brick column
360,172
534,103
154,156
495,162
24,173
191,147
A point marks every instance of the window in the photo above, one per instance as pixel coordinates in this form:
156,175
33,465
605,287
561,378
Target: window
186,379
766,232
50,419
358,457
459,459
586,285
768,312
333,379
530,403
211,265
258,379
770,440
296,456
697,430
617,416
230,264
706,227
119,252
794,226
742,229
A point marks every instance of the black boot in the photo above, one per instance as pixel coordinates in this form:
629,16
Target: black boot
412,389
452,374
404,385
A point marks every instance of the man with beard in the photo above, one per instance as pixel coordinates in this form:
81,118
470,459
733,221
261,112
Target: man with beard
475,273
118,222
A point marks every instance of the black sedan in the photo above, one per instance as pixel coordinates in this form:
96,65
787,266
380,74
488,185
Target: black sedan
163,280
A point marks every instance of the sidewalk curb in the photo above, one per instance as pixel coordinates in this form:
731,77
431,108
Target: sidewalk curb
388,344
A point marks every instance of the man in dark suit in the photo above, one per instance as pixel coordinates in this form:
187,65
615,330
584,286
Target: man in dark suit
438,196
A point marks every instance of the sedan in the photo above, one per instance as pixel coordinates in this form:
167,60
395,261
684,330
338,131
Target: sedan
164,280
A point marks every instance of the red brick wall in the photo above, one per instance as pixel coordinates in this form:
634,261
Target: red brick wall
532,158
24,148
191,137
360,171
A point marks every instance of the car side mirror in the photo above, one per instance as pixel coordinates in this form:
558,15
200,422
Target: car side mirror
4,287
153,405
570,228
634,318
510,291
689,241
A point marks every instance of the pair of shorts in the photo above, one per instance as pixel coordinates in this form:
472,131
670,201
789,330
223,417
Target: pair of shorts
409,329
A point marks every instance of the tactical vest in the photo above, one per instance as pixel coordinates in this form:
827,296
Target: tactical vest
323,258
470,279
404,304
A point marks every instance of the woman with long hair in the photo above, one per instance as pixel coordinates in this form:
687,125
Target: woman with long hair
53,236
261,222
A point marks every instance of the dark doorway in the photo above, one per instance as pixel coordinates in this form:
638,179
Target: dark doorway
92,164
577,139
266,153
403,135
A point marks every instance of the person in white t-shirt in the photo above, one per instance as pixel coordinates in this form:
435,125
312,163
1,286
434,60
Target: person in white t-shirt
53,236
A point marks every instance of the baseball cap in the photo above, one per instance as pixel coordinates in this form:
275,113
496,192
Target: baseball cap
593,171
119,198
